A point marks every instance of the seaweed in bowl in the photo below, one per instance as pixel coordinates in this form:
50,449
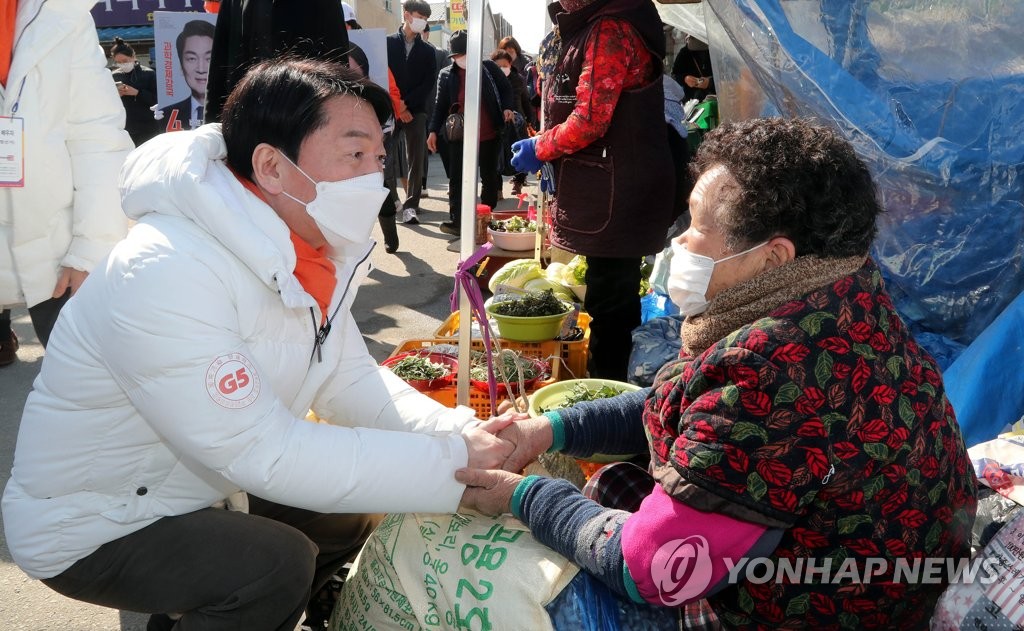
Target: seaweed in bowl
531,305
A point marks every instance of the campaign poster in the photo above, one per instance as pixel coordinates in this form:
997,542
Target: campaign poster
373,43
184,44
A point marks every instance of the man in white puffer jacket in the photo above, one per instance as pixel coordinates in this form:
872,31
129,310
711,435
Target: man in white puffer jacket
181,373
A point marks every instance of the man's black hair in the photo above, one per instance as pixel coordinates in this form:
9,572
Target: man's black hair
417,6
281,102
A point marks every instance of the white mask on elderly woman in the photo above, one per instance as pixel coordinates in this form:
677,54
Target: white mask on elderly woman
690,275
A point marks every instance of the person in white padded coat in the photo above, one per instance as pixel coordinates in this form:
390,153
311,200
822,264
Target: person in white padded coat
65,216
181,374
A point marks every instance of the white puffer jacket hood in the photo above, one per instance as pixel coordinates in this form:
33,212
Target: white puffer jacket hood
183,369
172,177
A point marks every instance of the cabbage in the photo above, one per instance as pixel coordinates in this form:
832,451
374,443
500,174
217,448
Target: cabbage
540,284
515,274
578,268
555,272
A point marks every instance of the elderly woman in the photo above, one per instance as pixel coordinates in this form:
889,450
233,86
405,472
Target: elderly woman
802,428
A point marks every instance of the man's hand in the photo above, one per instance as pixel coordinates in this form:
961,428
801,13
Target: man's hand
488,492
406,116
69,278
509,116
486,450
691,81
432,142
524,156
530,438
126,90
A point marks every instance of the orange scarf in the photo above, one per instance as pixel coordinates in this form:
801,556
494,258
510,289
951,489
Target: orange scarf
8,13
312,267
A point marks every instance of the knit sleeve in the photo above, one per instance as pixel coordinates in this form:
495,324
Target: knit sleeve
579,529
610,426
615,60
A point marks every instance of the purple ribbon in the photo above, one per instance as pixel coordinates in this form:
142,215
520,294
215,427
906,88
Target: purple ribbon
465,279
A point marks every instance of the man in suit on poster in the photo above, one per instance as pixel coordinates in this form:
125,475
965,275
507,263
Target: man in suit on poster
194,45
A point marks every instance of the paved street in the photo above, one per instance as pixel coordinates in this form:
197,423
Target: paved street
406,296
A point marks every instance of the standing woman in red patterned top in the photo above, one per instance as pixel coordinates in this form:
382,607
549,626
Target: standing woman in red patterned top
607,142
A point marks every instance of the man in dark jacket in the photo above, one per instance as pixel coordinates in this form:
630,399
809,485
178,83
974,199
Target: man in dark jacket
411,61
249,31
495,111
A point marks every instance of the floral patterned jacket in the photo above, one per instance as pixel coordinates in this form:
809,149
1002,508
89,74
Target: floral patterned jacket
827,421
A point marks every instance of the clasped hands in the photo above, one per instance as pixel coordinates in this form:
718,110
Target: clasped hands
498,450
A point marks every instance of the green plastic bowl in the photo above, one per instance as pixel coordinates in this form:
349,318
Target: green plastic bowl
553,396
528,329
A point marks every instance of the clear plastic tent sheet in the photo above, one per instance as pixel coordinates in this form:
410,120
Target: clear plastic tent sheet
931,92
688,18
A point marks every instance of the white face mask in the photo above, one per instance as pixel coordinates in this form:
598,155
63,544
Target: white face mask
345,211
506,71
690,275
460,62
417,25
127,66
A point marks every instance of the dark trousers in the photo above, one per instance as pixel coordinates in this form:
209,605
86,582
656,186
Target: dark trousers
416,150
613,302
391,146
44,316
489,176
220,569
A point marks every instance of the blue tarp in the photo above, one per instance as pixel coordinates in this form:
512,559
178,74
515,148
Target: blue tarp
931,93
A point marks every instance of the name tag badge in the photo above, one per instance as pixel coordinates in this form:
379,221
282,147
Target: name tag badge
12,151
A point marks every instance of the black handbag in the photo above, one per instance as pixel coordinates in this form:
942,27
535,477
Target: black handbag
454,125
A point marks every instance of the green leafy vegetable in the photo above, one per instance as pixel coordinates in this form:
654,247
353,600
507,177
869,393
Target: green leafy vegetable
506,369
416,368
578,268
579,392
514,224
533,305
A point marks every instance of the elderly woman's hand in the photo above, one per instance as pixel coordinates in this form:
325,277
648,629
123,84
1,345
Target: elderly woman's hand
488,492
531,437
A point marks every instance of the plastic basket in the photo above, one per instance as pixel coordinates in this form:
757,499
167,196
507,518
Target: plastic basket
573,355
478,400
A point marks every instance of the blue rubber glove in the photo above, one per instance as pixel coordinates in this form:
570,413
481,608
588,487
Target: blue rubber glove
524,156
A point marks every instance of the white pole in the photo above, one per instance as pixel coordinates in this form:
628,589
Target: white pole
470,157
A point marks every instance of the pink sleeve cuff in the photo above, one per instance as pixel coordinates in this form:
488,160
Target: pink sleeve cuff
676,554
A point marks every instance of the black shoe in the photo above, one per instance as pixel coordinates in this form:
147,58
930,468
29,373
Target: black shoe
449,227
9,350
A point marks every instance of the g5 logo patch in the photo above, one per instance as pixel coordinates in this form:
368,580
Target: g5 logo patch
232,381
